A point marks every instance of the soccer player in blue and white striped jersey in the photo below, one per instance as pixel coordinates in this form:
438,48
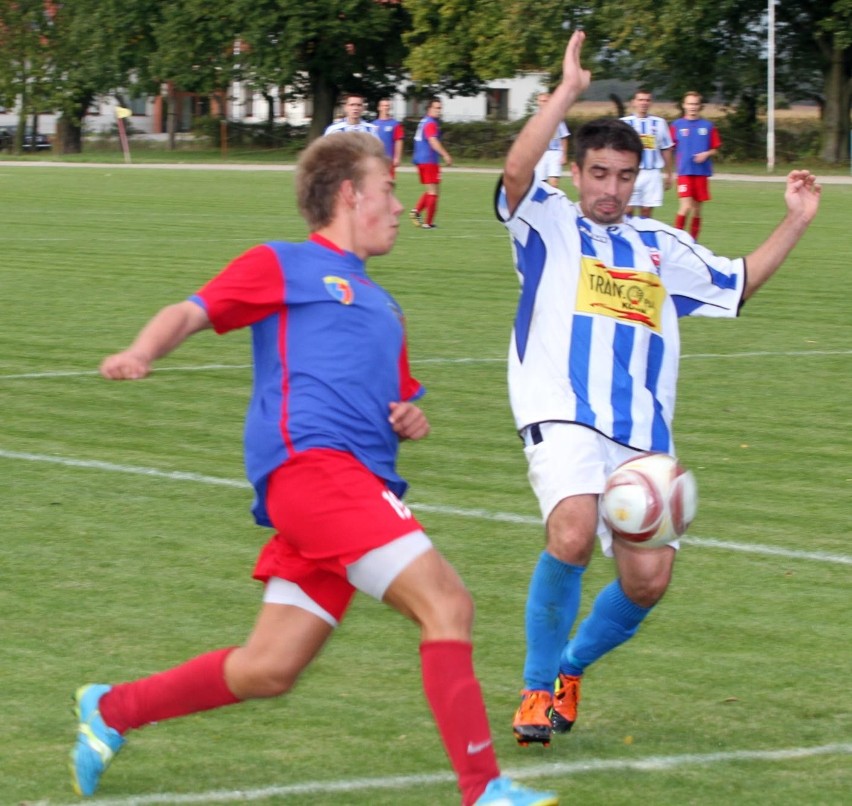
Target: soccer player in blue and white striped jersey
352,120
593,368
657,145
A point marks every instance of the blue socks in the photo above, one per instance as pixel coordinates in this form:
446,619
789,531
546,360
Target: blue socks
552,605
613,620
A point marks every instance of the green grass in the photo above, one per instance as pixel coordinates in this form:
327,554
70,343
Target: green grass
109,575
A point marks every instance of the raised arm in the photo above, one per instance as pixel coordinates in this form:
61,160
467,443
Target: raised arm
534,137
802,197
167,330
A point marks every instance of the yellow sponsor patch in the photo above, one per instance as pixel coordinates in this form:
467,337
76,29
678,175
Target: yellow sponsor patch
648,141
625,294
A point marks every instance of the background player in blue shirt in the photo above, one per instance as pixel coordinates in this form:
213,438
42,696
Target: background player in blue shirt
696,141
428,153
332,398
391,134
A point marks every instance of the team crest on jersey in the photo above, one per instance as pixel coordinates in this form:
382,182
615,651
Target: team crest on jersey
339,289
628,295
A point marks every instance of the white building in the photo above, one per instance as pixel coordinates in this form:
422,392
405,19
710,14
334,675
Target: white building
504,99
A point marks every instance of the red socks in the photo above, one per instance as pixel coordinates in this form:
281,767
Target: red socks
197,685
695,227
451,688
680,220
456,700
431,207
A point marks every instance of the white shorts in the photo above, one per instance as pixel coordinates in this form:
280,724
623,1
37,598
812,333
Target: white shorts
572,460
648,190
549,165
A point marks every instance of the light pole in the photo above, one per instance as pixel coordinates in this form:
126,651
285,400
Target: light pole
770,87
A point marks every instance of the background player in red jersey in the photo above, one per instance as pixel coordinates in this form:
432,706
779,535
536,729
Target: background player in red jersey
333,397
428,153
696,142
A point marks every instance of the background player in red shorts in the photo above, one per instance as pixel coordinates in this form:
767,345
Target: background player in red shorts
332,399
696,142
428,153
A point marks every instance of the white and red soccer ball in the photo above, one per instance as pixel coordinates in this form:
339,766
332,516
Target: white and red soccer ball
649,500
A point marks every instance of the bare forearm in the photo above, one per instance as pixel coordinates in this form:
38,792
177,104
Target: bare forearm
802,198
768,257
534,137
532,142
167,330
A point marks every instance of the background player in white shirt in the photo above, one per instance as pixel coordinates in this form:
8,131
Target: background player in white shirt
353,108
592,373
549,167
657,154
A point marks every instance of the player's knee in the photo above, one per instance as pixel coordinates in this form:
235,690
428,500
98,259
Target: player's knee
270,681
645,592
571,529
251,676
449,615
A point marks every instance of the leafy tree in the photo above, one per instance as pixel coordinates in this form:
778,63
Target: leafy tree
93,48
24,26
193,50
816,37
323,48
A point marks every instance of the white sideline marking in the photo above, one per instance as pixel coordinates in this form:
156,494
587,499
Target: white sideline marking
437,509
497,360
549,771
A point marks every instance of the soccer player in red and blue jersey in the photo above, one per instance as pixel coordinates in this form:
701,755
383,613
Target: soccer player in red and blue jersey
696,142
391,133
428,153
332,399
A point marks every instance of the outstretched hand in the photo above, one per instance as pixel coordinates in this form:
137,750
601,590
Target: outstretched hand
802,195
573,73
125,366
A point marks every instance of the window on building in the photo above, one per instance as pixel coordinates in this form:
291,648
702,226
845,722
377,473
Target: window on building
138,105
496,104
248,102
415,107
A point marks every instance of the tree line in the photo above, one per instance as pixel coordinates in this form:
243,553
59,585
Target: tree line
60,56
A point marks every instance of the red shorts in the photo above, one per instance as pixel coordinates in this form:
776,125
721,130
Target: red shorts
329,511
430,173
694,187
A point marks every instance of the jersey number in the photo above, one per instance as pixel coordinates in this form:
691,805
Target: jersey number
401,509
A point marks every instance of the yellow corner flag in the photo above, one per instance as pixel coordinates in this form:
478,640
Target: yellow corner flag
122,112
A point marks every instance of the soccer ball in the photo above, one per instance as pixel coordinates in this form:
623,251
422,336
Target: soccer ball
649,500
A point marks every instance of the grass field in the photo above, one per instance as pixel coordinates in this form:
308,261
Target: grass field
127,543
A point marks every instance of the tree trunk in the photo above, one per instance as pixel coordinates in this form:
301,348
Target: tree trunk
835,119
69,127
324,94
171,116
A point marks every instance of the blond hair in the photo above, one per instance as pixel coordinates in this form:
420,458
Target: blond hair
325,164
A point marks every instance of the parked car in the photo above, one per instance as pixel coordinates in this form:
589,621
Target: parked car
7,139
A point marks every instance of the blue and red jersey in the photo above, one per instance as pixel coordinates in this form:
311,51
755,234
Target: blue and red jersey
424,154
389,132
329,353
691,137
